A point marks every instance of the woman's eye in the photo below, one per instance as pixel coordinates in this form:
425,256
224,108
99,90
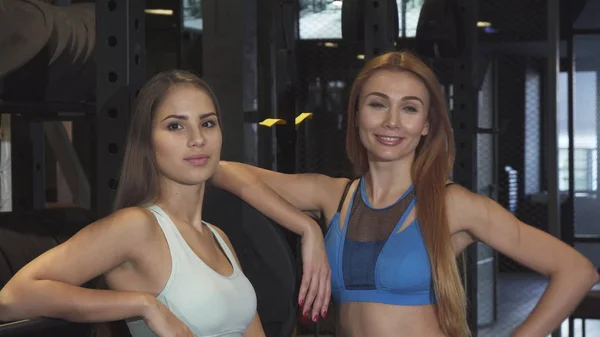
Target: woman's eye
209,124
411,109
376,105
173,126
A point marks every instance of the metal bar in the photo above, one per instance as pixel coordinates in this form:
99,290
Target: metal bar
569,231
265,80
286,87
586,238
377,30
223,67
465,124
120,73
403,15
38,150
597,71
21,182
178,16
551,119
27,158
592,31
52,110
286,84
493,130
69,162
496,156
551,116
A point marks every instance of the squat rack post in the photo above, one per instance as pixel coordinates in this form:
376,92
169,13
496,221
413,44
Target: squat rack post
120,47
380,28
465,122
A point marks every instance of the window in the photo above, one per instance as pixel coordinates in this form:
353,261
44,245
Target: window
585,153
322,19
584,169
192,15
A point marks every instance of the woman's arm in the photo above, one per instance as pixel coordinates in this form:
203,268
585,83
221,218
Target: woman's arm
307,192
281,197
571,274
50,284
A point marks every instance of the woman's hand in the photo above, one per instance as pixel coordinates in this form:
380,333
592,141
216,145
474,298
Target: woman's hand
315,290
164,323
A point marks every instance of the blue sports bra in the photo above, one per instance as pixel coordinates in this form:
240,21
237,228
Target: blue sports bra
392,269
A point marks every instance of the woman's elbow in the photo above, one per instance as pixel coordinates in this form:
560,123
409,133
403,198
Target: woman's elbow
12,298
6,305
589,273
582,270
594,275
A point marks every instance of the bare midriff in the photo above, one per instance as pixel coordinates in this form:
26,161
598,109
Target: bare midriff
357,319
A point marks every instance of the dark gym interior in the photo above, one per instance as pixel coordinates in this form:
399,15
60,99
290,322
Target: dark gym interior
522,80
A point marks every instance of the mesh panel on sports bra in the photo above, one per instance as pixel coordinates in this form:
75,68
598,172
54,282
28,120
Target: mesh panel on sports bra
367,232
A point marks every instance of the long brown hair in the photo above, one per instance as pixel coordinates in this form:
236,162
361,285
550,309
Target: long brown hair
138,181
434,159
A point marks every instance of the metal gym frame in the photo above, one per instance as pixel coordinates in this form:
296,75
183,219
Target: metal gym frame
465,122
120,47
119,55
465,125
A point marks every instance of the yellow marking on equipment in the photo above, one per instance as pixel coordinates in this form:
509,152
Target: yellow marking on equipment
269,122
301,117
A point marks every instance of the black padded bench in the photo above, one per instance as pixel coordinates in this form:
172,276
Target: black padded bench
23,237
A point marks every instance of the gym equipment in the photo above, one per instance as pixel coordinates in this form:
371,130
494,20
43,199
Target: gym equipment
440,30
19,42
59,40
101,49
23,237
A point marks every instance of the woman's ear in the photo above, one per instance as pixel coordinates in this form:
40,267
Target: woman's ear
425,130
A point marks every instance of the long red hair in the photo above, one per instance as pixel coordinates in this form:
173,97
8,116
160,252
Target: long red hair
434,159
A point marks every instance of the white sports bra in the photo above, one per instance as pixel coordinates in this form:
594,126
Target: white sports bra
209,303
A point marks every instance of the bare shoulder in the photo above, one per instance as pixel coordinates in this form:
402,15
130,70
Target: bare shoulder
333,189
130,227
138,222
458,197
475,213
464,206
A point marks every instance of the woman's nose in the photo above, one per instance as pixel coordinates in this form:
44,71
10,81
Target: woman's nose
393,119
197,139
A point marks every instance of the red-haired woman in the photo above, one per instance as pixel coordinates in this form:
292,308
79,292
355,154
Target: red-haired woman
393,234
